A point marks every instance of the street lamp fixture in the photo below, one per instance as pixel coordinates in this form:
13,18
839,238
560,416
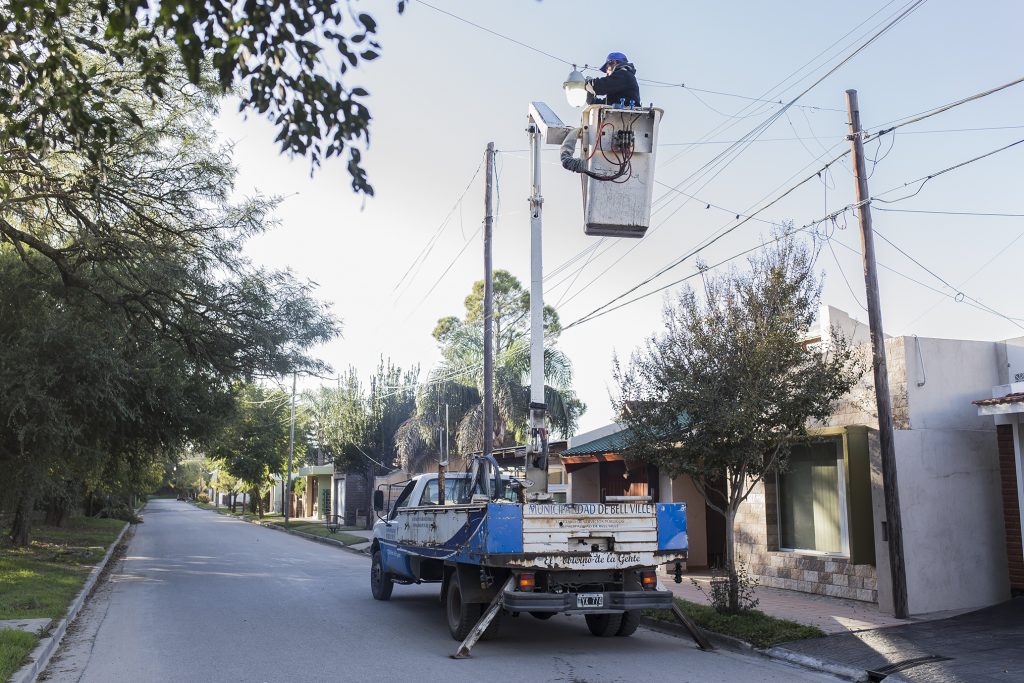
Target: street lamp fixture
575,87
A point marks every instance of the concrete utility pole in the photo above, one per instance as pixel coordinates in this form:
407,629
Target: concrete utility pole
286,485
892,527
537,447
488,306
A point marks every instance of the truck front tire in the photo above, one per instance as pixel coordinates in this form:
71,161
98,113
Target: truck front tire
604,625
380,581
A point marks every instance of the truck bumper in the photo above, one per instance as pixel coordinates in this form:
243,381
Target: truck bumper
614,601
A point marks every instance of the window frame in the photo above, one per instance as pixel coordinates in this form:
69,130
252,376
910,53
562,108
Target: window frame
844,512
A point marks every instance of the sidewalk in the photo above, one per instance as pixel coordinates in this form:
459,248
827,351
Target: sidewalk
365,533
831,615
981,647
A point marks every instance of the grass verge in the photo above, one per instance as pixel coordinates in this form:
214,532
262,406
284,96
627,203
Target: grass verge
15,647
318,529
753,626
306,527
42,579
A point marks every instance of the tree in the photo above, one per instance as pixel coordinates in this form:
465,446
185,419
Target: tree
130,309
253,444
287,60
190,475
729,385
458,380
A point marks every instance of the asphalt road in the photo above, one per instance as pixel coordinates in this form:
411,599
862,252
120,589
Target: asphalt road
202,597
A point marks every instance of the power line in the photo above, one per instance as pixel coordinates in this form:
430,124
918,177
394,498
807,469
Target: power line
951,213
925,179
983,266
960,294
744,219
646,81
736,149
554,150
956,297
928,113
495,33
593,315
429,246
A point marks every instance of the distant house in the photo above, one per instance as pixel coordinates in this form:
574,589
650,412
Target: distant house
820,526
350,501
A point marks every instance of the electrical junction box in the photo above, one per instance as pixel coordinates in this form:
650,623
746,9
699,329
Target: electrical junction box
619,144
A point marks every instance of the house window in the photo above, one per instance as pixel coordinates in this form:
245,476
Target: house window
812,500
556,476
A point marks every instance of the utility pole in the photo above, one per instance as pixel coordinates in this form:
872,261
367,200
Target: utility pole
893,526
488,306
287,483
442,465
537,447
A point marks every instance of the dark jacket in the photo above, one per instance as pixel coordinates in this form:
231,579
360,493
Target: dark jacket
621,85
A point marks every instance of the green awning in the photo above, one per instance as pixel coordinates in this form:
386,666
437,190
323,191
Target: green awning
316,470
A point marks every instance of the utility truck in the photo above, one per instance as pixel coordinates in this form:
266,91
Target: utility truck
494,555
499,544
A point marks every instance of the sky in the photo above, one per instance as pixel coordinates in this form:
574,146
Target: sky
443,89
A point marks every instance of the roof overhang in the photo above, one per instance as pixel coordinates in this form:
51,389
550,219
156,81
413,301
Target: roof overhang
316,470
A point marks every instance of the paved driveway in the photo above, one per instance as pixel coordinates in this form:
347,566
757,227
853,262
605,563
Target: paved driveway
986,646
200,597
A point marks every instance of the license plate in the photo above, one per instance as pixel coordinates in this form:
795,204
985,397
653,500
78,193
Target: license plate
590,599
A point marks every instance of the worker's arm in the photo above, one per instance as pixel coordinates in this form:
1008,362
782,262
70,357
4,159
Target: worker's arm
619,80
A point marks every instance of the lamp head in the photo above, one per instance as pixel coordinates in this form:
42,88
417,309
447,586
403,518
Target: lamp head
575,87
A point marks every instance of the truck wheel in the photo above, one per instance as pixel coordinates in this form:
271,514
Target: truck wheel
380,581
462,616
630,623
543,616
604,625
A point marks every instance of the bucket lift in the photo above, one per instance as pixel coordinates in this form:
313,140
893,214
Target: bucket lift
619,147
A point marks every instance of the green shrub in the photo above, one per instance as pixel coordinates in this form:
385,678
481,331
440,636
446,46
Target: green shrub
121,511
203,498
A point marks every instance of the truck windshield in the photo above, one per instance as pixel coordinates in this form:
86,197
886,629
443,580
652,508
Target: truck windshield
456,491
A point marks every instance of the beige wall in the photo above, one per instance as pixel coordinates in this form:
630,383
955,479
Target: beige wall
584,485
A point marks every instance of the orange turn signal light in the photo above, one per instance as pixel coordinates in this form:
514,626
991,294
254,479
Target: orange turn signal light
526,582
649,580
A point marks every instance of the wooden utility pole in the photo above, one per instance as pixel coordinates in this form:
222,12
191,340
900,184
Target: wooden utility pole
893,526
286,485
488,306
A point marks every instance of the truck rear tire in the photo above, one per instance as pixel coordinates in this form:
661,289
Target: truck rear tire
630,623
462,616
381,584
604,625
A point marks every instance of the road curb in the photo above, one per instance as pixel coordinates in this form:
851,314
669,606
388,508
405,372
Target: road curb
308,537
311,537
48,646
776,653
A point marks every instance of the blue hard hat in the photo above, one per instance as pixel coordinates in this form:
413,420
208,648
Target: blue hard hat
614,57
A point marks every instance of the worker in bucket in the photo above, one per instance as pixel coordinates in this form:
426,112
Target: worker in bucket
618,87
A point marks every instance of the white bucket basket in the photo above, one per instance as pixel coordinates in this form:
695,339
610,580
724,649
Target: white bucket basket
620,144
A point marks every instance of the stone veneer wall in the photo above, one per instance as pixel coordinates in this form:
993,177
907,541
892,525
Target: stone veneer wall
757,546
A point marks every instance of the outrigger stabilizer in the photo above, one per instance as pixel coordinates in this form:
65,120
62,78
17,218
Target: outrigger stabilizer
496,604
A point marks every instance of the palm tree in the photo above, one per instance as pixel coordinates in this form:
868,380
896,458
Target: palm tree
458,380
